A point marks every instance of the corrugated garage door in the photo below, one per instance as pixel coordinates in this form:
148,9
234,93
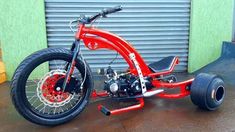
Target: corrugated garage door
156,28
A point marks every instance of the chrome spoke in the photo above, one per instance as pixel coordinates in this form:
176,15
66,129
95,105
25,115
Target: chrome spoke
34,102
61,109
34,96
71,104
35,81
39,106
55,110
28,85
43,108
30,92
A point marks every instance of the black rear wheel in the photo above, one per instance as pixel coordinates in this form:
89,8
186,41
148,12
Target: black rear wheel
37,87
207,91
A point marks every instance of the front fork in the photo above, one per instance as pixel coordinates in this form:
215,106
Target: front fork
70,66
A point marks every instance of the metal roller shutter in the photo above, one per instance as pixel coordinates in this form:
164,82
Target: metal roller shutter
156,28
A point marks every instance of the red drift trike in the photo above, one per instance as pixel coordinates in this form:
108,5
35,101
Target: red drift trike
65,84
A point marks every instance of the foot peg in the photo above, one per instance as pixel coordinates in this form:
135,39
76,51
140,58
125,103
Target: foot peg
104,110
108,112
151,93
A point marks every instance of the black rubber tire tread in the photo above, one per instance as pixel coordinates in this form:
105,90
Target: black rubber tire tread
213,104
201,90
20,74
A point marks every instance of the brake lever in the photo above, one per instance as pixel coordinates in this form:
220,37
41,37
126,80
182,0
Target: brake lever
70,25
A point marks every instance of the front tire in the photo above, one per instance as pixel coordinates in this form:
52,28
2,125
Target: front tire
26,108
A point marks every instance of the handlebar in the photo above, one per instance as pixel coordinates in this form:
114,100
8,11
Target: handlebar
104,13
111,10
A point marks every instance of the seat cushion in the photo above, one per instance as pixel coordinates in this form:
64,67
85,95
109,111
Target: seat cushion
164,64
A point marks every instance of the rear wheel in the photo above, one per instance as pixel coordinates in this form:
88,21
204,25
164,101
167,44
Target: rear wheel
207,91
37,87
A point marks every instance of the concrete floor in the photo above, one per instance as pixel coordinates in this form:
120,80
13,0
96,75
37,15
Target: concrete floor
157,115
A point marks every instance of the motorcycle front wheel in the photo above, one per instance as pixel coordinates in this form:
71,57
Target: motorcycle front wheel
37,87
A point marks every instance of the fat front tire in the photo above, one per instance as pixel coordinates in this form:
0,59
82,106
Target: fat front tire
22,73
207,91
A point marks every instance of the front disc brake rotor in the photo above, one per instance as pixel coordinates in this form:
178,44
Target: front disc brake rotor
50,93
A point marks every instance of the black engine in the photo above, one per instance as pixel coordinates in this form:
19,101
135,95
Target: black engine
124,84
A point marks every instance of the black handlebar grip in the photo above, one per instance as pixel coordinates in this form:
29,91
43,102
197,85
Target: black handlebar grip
111,10
87,20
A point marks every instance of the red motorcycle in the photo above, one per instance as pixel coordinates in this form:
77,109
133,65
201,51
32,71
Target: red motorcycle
66,84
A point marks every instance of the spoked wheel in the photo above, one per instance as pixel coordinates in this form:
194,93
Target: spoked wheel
49,96
37,87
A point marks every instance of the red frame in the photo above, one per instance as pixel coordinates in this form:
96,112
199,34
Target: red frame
95,39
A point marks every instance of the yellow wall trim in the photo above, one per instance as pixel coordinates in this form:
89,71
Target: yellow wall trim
2,72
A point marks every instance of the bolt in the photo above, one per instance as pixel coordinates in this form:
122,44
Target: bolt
58,89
